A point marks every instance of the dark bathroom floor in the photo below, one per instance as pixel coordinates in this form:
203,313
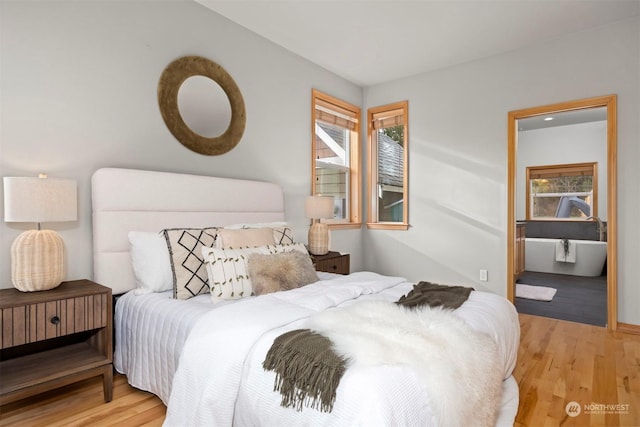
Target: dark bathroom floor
578,299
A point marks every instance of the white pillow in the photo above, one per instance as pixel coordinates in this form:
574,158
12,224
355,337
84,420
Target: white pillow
228,271
150,261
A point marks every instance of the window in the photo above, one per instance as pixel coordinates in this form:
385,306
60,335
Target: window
562,191
335,161
388,166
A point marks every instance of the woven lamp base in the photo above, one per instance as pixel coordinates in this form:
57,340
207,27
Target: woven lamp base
37,261
318,238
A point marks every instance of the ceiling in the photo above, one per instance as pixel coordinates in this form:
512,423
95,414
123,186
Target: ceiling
375,41
565,118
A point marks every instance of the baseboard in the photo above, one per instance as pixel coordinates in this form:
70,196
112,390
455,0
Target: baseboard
628,328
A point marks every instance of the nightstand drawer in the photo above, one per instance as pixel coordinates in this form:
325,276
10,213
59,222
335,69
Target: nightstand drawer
333,262
51,319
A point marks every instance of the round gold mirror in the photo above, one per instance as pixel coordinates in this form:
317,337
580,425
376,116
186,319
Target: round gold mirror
178,100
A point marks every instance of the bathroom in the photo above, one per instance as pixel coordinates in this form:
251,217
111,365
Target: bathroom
561,202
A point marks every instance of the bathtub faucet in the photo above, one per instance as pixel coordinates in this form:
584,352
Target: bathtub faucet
601,228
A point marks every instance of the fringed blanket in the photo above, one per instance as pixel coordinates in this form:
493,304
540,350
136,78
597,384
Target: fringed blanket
433,295
308,370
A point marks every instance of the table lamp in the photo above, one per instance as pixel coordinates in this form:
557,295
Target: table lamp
315,208
37,256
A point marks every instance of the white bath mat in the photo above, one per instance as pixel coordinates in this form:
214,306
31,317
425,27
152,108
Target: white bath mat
539,293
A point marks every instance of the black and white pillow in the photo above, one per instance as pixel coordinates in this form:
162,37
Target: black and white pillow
185,248
283,235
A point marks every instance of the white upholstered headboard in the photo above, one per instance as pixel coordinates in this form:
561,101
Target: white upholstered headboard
126,200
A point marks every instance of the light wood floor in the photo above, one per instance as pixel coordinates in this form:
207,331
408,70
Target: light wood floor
561,362
558,362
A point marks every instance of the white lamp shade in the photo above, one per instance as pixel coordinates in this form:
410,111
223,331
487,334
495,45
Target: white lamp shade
316,207
29,199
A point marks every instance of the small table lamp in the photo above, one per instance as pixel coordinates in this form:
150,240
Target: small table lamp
37,256
315,208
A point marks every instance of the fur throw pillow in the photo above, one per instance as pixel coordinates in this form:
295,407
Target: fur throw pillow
280,272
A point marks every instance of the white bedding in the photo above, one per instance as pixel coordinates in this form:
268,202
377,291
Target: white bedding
220,380
150,332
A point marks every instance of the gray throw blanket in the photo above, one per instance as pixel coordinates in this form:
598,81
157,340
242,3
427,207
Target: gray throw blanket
307,369
433,295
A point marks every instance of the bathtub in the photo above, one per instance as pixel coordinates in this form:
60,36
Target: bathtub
540,256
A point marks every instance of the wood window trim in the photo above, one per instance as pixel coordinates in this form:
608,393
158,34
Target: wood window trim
377,115
569,169
352,113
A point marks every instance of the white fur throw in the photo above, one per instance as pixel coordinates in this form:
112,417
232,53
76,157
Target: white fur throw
457,365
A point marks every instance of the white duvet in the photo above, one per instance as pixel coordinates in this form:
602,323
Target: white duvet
220,380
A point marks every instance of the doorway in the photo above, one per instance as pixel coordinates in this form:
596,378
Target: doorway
514,246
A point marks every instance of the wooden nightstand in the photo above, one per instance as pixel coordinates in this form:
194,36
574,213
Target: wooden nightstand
54,338
333,262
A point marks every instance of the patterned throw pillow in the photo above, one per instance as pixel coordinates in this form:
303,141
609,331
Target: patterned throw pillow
283,235
228,270
189,272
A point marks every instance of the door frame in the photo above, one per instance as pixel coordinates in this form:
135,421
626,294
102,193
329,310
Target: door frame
610,102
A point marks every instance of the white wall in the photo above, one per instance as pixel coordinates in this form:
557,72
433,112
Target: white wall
458,155
78,92
579,143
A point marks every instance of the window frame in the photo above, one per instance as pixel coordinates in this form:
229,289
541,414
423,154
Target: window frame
567,169
372,173
355,180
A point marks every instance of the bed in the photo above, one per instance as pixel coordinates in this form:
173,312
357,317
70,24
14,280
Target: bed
205,359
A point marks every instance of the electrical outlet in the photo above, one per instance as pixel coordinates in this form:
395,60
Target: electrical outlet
484,275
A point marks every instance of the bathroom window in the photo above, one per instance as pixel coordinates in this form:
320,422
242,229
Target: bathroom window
335,150
568,191
388,194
